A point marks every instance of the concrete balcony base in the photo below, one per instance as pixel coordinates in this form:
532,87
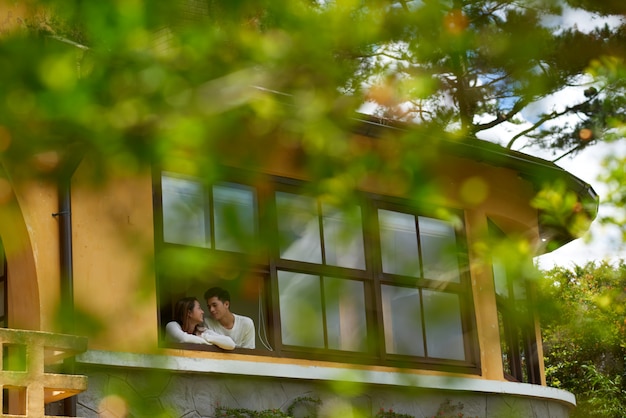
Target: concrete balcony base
196,386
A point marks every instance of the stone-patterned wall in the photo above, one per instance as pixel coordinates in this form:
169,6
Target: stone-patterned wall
146,393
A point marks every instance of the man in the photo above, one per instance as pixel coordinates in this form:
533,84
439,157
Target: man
238,327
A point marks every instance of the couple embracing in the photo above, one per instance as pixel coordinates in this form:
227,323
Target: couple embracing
223,328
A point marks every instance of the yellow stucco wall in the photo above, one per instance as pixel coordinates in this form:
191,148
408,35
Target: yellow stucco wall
113,245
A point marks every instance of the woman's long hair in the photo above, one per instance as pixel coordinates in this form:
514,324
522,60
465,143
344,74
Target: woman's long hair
181,314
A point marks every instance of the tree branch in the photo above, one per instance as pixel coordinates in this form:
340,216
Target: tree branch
546,118
517,107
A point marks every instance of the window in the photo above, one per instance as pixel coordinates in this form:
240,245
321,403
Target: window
435,257
319,233
372,281
221,217
422,297
319,309
322,312
517,337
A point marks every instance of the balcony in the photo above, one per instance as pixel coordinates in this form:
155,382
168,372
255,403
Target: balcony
28,359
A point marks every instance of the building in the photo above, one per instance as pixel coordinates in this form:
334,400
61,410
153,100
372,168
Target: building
386,299
401,283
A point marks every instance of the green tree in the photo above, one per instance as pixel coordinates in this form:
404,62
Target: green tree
584,333
133,81
470,66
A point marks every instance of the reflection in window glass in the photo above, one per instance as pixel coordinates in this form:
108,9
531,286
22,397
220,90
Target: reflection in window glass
438,244
505,285
301,321
343,238
522,354
444,330
183,212
345,314
519,289
504,345
398,241
234,216
298,228
500,277
402,321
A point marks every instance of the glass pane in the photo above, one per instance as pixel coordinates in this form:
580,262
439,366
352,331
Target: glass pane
439,251
234,216
298,228
402,321
500,277
444,331
398,241
504,346
519,289
300,301
343,237
345,314
521,338
184,212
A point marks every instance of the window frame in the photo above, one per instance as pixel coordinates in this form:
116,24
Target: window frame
269,263
516,326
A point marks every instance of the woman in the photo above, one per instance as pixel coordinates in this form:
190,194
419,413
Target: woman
187,326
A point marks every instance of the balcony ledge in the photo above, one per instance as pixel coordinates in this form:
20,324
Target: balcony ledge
257,367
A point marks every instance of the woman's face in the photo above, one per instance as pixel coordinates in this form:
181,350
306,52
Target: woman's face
196,314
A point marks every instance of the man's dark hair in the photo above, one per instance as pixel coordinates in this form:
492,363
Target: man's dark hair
221,294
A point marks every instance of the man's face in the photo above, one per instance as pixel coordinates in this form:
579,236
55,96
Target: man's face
217,308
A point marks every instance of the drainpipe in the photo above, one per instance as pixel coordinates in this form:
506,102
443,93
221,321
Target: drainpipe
64,217
67,276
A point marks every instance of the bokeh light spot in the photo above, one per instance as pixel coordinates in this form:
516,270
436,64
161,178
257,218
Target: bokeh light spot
59,72
113,406
455,22
474,190
585,134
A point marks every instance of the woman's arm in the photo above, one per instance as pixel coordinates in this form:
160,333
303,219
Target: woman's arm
222,341
174,333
